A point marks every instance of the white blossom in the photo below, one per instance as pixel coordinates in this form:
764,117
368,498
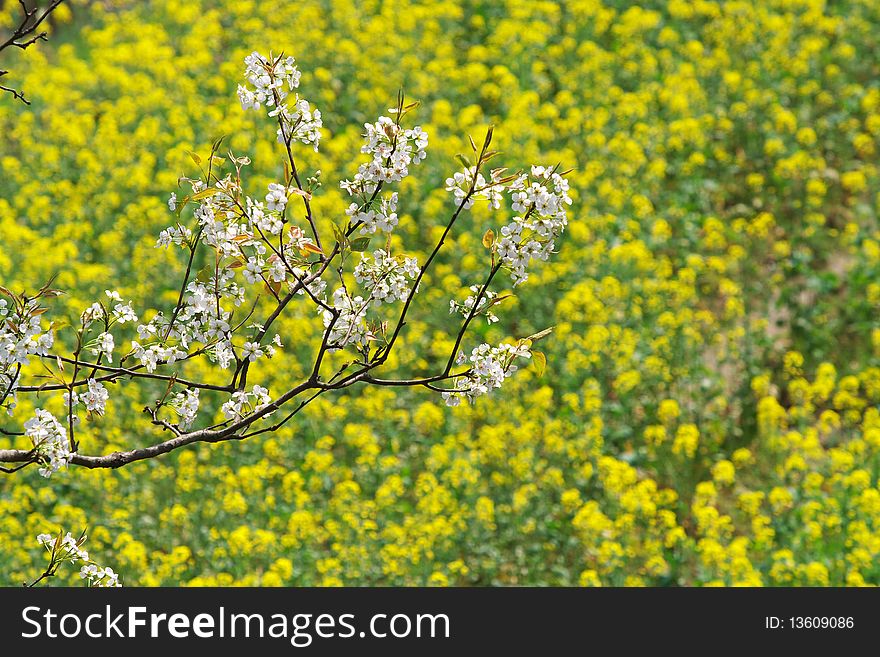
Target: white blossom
71,551
460,184
70,548
49,439
98,576
386,278
122,312
539,197
350,326
268,79
243,402
186,404
95,398
179,235
104,345
484,307
382,217
300,123
276,198
490,366
251,351
392,150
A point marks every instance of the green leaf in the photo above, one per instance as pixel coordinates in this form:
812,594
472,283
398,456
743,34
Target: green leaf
205,193
339,235
489,238
360,244
205,274
539,362
181,203
195,157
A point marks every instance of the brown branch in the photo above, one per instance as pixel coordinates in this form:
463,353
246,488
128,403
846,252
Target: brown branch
115,373
25,35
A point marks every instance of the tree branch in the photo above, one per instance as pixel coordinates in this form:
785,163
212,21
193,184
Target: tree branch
26,35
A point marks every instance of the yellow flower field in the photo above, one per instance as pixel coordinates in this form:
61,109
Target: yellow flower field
710,409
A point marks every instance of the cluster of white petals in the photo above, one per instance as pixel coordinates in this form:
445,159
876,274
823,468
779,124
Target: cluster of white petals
179,235
299,123
49,438
350,326
461,181
187,406
21,336
99,576
373,217
386,278
392,149
94,398
271,80
243,402
122,311
483,308
71,551
541,200
119,312
489,367
203,318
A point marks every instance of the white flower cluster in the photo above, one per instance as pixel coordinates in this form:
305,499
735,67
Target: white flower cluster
276,199
267,221
393,149
120,313
197,321
153,355
243,402
49,439
104,345
541,199
21,337
71,551
252,351
460,184
95,398
490,366
187,406
178,234
218,216
373,218
385,277
229,229
302,123
484,307
100,576
268,79
271,82
350,326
